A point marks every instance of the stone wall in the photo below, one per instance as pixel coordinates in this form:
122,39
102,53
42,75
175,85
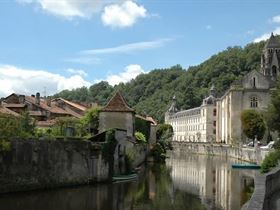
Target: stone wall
33,164
39,164
254,155
266,186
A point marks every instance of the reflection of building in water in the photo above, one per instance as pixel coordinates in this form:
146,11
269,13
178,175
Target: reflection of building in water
211,178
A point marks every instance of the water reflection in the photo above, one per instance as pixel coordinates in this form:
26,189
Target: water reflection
213,179
186,183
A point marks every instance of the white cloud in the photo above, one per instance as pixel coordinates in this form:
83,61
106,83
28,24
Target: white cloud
129,47
130,72
276,19
77,71
122,15
84,60
267,35
25,81
70,8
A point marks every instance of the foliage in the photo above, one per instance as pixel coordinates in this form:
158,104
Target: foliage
90,120
5,145
164,136
140,137
129,159
159,152
11,126
164,131
62,123
271,160
27,125
108,148
142,126
252,124
151,93
273,113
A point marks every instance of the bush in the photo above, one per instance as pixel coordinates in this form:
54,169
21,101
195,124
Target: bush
5,146
140,137
270,161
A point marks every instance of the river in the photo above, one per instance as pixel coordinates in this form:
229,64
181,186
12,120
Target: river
185,182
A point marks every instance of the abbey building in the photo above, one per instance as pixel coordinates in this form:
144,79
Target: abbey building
218,119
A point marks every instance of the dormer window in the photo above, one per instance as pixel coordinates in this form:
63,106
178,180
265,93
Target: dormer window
254,102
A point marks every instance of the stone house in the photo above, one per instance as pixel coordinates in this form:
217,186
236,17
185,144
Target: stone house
117,114
45,111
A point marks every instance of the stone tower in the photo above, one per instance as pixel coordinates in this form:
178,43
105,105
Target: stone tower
270,60
172,109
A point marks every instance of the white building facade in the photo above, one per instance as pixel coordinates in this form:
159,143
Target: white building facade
194,125
218,119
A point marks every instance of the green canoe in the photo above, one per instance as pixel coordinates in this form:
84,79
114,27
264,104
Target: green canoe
121,178
245,166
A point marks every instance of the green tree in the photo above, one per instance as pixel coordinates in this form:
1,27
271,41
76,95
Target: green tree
252,124
273,113
90,120
27,124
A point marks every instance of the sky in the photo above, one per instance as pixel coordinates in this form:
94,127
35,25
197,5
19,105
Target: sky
50,45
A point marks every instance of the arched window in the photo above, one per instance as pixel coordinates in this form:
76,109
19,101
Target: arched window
254,82
274,71
254,102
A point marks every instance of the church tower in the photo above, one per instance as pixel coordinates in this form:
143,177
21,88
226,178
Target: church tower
172,110
270,60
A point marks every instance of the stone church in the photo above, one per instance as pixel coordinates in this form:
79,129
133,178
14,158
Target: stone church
218,119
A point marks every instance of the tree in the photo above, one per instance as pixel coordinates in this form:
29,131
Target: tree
273,113
91,120
252,124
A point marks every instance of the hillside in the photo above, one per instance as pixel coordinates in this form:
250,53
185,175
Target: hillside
151,93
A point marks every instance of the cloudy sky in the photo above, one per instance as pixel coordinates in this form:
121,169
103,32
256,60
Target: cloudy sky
63,44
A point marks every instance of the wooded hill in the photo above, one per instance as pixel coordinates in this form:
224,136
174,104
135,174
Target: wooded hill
151,93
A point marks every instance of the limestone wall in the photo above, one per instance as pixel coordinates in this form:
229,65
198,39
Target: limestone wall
247,154
33,164
266,186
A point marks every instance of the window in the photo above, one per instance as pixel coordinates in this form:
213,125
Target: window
254,102
214,123
274,71
254,82
214,112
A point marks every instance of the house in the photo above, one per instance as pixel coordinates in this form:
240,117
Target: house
117,114
45,111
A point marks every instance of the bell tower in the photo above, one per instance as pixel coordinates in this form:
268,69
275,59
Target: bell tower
270,60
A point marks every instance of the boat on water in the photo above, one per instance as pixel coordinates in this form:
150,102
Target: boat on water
124,178
245,166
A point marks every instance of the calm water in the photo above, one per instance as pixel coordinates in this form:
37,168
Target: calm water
184,183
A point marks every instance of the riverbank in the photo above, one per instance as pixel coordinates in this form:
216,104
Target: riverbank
252,155
41,164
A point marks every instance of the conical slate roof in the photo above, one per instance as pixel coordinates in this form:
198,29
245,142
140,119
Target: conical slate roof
117,104
272,42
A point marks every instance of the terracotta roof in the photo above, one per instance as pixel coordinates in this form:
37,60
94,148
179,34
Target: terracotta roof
14,105
43,105
149,119
117,104
78,106
5,110
36,113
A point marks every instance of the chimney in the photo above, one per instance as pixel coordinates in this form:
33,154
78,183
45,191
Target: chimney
37,99
49,101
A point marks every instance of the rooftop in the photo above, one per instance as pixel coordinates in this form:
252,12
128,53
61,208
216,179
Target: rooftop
117,104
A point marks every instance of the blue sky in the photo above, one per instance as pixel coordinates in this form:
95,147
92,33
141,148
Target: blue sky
65,44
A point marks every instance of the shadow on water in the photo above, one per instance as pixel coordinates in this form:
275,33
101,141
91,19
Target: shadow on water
184,183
